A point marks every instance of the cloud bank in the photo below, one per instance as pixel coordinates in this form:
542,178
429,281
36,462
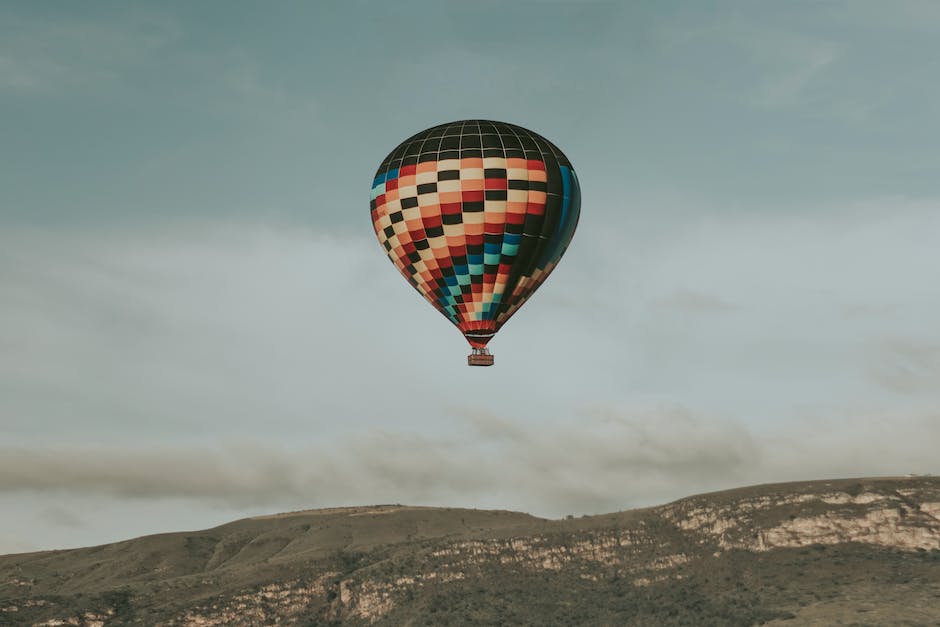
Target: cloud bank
257,369
604,461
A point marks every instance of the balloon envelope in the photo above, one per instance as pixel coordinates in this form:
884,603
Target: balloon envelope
475,214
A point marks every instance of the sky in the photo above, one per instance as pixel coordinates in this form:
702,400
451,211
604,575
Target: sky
197,323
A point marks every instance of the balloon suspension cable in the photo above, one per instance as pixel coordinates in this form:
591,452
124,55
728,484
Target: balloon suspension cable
480,357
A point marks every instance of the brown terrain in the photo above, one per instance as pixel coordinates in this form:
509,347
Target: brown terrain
849,552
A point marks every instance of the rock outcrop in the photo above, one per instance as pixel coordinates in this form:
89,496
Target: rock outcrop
723,555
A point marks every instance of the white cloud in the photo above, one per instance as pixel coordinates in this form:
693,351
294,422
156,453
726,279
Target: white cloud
278,330
271,368
206,330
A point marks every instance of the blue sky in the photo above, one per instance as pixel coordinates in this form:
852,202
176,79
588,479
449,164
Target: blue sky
197,324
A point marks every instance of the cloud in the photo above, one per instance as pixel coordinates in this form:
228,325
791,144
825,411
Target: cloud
812,65
274,368
25,75
70,52
607,460
799,63
877,442
906,366
693,301
56,516
244,329
194,330
12,544
254,94
42,54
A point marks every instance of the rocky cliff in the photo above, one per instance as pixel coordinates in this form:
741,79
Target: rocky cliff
863,551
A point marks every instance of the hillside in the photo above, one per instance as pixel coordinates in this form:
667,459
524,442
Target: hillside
857,551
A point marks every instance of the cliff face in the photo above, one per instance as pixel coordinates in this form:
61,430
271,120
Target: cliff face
868,549
873,513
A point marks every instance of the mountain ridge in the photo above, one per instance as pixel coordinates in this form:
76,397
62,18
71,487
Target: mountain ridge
758,554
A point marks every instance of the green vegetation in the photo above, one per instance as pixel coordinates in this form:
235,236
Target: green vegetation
693,562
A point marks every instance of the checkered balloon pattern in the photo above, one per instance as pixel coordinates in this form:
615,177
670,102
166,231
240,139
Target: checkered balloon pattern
475,215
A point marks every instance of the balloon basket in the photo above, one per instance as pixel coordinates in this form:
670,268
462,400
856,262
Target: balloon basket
480,357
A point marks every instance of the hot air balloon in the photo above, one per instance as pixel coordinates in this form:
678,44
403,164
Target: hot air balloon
475,214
